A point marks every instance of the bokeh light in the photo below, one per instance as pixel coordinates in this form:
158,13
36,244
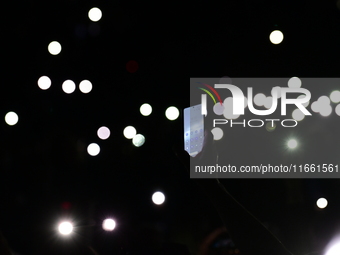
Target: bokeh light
324,100
325,110
217,133
145,109
276,37
259,99
228,109
270,127
93,149
103,133
322,203
44,82
292,144
158,198
54,48
172,113
138,140
109,224
294,82
68,86
85,86
337,109
95,14
129,132
304,104
65,228
335,96
268,102
11,118
298,115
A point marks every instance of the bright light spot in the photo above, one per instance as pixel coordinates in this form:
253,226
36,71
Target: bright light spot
268,102
276,37
324,100
138,140
217,132
68,86
334,247
85,86
315,106
93,149
270,126
103,133
11,118
292,144
322,203
172,113
260,99
158,198
304,104
218,108
298,115
65,228
54,48
337,109
326,110
294,82
44,82
335,96
129,132
145,109
109,224
95,14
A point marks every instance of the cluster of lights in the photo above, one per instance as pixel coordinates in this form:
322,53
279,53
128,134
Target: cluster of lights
68,86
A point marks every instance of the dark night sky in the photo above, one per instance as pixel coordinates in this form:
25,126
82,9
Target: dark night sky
43,159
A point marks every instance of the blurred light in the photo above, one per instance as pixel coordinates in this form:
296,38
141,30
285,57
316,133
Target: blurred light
158,198
65,228
11,118
54,48
172,113
298,115
324,100
337,109
129,132
103,133
132,66
68,86
268,102
85,86
138,140
109,224
335,96
44,82
315,107
95,14
93,149
270,127
145,109
304,104
217,132
294,82
334,247
276,37
278,89
322,203
259,99
326,110
292,144
218,108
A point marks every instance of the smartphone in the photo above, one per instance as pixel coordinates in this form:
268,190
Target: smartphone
193,130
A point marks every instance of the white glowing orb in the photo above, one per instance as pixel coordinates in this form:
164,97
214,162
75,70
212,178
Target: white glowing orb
129,132
292,144
68,86
85,86
172,113
65,228
103,133
322,203
324,100
294,82
337,109
326,110
276,37
298,115
109,225
44,82
145,109
335,96
158,198
217,133
315,106
54,48
138,140
11,118
259,99
93,149
95,14
268,102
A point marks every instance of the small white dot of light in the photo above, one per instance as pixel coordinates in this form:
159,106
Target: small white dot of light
325,110
217,133
11,118
85,86
145,109
304,104
158,198
337,109
93,149
65,228
276,37
44,82
324,100
138,140
129,132
294,82
54,48
298,115
322,203
109,224
95,14
172,113
68,86
292,144
103,133
259,99
335,96
315,106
